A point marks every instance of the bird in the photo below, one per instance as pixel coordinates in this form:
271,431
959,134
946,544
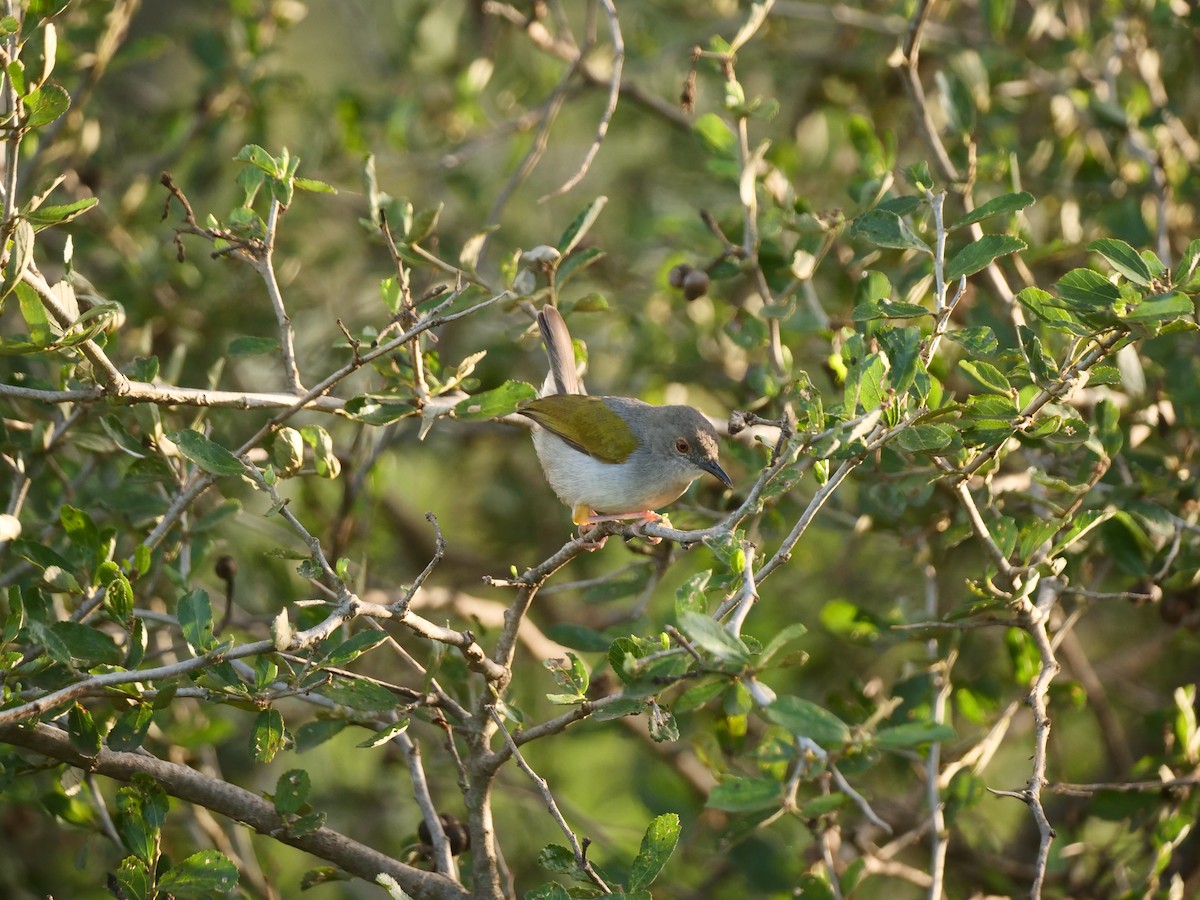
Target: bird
613,458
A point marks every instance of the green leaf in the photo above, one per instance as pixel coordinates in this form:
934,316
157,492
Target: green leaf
118,597
886,309
260,158
81,729
46,104
779,640
576,231
365,696
291,791
572,266
978,340
805,719
313,734
252,346
134,879
45,216
973,257
423,224
689,596
716,135
201,875
886,229
86,644
499,401
352,648
986,376
1086,289
658,844
378,410
1124,259
714,638
209,456
745,795
1160,308
196,620
1005,203
913,734
131,726
18,261
314,186
925,438
268,736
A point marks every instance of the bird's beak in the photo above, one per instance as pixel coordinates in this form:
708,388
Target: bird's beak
712,467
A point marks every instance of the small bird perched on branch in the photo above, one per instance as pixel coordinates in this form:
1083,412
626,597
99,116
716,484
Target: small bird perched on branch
613,458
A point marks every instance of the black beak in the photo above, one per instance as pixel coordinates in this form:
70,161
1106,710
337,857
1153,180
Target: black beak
712,467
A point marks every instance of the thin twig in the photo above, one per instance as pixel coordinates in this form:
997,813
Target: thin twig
543,787
614,94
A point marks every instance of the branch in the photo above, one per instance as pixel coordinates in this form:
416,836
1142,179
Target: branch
235,803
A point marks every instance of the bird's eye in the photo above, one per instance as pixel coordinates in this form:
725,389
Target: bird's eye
683,446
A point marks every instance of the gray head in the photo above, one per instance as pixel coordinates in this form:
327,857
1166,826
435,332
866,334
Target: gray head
678,441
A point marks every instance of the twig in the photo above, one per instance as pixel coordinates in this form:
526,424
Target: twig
543,787
443,858
614,94
748,595
265,266
939,671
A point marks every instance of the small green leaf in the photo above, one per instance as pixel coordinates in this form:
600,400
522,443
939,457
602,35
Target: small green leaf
978,340
268,736
45,216
925,438
18,261
1086,289
260,158
46,104
714,638
118,597
745,795
196,620
1005,203
913,734
1160,308
805,719
986,376
81,729
500,401
131,726
716,135
291,791
386,735
352,648
886,309
200,876
658,844
1124,259
378,410
87,645
252,346
313,734
423,224
689,596
311,184
209,456
886,229
576,231
779,640
973,257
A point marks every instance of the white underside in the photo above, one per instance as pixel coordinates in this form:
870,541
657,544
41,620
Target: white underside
608,488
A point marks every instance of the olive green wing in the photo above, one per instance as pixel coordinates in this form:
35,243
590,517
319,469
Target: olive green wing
586,423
